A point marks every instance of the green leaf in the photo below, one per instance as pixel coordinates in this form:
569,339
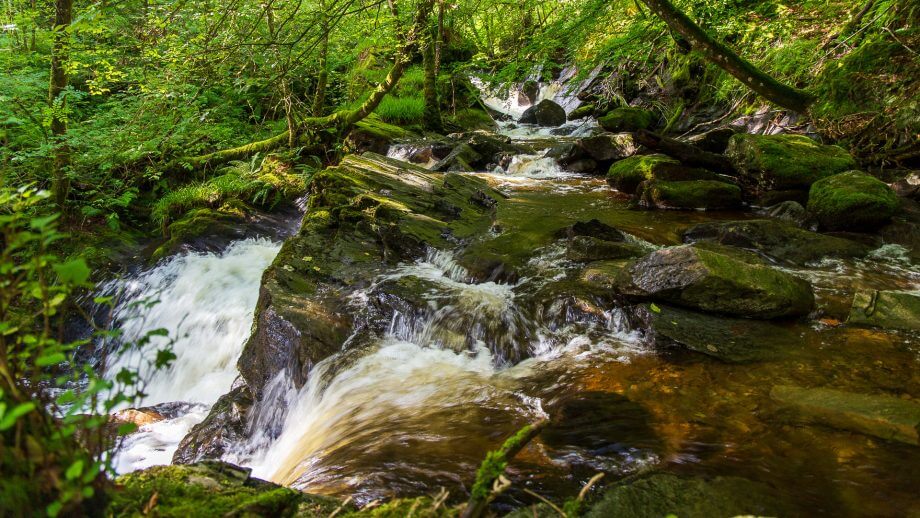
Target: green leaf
9,418
75,470
74,271
654,308
50,359
126,428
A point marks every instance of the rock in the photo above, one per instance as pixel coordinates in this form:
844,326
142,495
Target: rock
593,228
691,194
462,158
904,233
886,309
783,162
852,201
775,239
609,146
771,198
528,93
732,340
788,211
544,113
907,187
211,488
602,275
626,119
717,279
886,417
583,166
626,175
659,495
587,249
713,141
224,426
374,135
585,110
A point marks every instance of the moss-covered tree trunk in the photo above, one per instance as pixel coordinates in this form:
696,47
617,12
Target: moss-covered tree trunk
432,115
322,78
752,77
63,14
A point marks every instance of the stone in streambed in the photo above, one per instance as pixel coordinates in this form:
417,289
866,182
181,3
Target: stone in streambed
461,158
626,119
775,239
587,249
609,146
732,340
224,427
852,201
886,309
602,276
593,228
585,110
713,141
782,162
883,416
788,211
659,495
717,279
544,113
691,194
626,175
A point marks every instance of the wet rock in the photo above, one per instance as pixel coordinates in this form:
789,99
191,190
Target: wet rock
886,417
732,340
583,166
626,175
587,249
585,110
529,92
886,309
775,239
717,279
602,275
374,135
544,113
593,228
224,426
782,162
609,146
771,198
907,187
461,158
852,201
692,194
660,495
904,233
213,488
788,211
626,119
713,141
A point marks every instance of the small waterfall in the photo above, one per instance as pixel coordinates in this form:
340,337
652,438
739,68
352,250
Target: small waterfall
206,303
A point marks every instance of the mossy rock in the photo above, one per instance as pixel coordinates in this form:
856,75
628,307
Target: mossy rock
784,162
201,222
626,175
587,249
852,201
210,488
691,194
374,135
544,113
886,309
609,146
775,239
585,110
716,279
661,495
626,119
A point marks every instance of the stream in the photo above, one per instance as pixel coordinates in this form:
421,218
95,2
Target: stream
417,408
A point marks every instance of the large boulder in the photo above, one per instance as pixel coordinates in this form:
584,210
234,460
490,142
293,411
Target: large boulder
887,417
528,93
626,175
852,201
626,119
544,113
716,279
784,162
223,427
609,146
888,309
373,135
690,194
775,239
461,158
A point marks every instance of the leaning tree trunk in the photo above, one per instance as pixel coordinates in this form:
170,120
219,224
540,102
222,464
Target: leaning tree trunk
319,97
432,115
63,14
755,79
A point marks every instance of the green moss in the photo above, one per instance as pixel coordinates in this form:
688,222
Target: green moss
694,194
626,119
470,119
585,110
375,126
779,162
495,463
852,201
199,222
626,175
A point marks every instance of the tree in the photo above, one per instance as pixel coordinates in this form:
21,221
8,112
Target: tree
63,15
432,117
755,79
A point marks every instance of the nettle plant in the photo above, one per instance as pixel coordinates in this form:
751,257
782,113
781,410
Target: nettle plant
58,440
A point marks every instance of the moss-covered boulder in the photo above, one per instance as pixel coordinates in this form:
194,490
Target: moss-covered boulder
852,201
609,146
775,239
226,220
585,110
690,194
626,175
544,113
211,488
626,119
374,135
587,249
884,416
660,495
888,309
717,279
781,162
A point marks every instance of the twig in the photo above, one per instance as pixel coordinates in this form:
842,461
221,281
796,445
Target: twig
914,52
337,511
545,501
591,482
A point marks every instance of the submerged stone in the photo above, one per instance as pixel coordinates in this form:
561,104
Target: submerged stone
660,495
593,228
886,309
544,113
852,201
587,249
691,194
775,239
716,279
781,162
886,417
626,175
626,119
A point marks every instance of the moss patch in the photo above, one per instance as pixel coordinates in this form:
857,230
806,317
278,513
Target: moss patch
782,162
695,194
852,201
626,119
626,175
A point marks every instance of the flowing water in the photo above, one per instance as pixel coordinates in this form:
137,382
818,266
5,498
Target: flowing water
416,409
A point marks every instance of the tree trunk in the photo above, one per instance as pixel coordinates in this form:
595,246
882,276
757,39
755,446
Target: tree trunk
63,14
432,116
319,97
771,89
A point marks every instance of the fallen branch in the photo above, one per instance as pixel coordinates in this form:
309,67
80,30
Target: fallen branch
687,154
